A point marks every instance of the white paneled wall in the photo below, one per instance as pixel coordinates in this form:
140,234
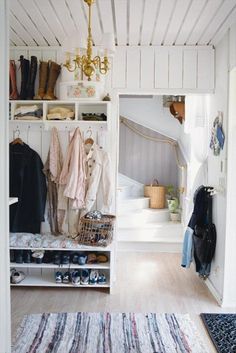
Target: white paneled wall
150,68
144,160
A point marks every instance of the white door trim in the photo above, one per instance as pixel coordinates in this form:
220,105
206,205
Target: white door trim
5,321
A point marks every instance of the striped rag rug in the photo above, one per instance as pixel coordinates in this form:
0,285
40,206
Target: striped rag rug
107,333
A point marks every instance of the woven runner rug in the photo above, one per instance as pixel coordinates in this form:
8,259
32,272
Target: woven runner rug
222,330
107,333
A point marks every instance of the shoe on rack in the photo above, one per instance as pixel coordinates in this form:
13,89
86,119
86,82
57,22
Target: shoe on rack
27,256
65,259
19,256
57,258
48,257
85,276
66,278
82,258
74,258
38,256
58,277
93,277
92,258
75,278
17,276
102,278
12,255
102,258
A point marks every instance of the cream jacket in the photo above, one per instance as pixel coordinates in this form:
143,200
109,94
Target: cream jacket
98,178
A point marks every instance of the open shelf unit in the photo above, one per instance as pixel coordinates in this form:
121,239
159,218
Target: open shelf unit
78,107
44,274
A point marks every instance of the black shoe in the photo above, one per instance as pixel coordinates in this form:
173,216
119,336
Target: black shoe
57,258
65,259
48,257
27,256
12,255
74,258
19,256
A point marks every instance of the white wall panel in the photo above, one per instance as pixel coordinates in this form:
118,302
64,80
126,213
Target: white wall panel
206,69
133,67
147,67
190,69
144,160
176,68
119,68
161,68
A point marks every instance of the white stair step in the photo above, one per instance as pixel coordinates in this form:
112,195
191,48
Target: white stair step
123,192
132,204
142,217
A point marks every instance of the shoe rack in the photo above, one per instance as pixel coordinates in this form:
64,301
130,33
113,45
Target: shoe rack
43,275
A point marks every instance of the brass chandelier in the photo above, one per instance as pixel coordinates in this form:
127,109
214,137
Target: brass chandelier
86,62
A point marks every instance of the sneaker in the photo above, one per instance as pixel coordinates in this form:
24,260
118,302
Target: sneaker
85,277
93,278
66,278
65,259
48,257
17,276
38,256
58,277
82,258
57,258
74,258
75,278
102,278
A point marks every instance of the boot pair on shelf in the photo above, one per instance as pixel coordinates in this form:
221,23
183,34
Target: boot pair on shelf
28,75
48,74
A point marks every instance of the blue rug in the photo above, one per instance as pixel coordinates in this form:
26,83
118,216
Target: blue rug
222,330
108,333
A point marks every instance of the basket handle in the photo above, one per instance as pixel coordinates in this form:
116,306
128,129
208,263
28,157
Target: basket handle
155,182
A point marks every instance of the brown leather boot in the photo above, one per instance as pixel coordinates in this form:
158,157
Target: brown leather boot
43,75
14,93
54,71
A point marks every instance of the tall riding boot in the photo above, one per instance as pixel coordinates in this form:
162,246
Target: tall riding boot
24,65
14,93
43,76
31,78
54,71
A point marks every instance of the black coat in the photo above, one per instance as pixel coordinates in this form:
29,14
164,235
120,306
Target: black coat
28,183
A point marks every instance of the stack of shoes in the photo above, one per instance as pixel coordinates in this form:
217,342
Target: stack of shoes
17,276
28,112
61,113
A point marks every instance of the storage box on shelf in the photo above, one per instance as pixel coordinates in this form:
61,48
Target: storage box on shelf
43,274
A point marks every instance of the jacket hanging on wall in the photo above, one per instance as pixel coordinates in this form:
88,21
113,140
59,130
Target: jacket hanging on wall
200,235
28,183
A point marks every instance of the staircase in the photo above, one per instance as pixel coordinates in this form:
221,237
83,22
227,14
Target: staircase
141,228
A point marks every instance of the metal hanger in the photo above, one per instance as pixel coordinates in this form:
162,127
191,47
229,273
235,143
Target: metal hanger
17,139
89,140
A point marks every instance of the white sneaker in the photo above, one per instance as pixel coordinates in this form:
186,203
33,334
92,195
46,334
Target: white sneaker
17,277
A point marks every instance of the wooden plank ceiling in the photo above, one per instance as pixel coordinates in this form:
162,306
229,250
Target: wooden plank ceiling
133,22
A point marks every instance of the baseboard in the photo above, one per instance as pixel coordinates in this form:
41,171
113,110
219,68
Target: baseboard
228,303
214,291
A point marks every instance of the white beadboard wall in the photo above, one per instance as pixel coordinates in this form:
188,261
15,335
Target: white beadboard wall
152,68
144,160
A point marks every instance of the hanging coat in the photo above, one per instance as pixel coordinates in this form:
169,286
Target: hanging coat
28,183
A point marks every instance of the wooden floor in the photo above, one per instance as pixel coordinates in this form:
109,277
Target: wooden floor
146,282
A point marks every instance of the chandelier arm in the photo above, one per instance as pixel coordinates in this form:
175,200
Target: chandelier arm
69,66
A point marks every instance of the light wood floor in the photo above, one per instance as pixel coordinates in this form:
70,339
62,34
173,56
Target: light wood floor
146,282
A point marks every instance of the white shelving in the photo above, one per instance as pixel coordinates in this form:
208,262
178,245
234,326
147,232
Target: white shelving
78,107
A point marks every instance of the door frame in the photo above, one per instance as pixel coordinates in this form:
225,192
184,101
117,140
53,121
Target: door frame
5,312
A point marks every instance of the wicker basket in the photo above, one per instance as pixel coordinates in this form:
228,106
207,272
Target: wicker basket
156,193
96,232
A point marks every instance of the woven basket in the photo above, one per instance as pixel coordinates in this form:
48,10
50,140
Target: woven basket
96,232
156,193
